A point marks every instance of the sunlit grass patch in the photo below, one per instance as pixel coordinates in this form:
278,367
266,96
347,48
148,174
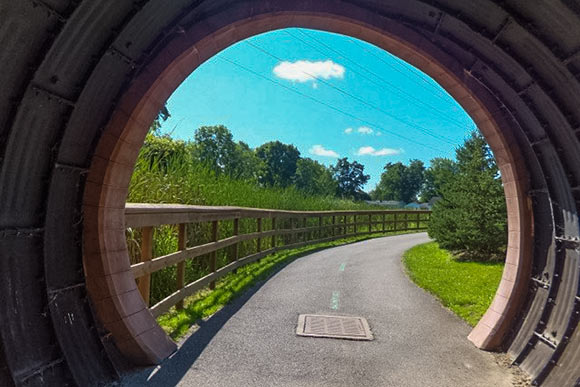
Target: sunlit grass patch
467,288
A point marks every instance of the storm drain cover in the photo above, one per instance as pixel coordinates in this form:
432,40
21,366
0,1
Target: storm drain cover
336,327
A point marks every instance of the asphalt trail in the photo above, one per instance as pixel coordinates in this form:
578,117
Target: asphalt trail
252,341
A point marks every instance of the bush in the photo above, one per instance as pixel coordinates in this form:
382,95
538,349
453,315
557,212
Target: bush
471,216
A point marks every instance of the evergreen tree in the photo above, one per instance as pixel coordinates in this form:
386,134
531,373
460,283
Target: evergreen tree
471,216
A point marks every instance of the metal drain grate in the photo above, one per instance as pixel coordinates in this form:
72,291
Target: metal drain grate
336,327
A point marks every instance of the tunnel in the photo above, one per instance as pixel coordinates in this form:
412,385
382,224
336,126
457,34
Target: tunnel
83,80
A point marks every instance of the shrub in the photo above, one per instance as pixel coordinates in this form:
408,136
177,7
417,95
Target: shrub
471,216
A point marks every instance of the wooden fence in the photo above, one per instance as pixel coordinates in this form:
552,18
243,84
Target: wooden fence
286,230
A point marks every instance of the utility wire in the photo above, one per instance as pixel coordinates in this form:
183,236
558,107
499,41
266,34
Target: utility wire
442,97
405,95
416,127
221,57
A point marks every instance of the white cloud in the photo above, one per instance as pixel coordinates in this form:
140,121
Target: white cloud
387,152
304,70
365,130
319,150
370,151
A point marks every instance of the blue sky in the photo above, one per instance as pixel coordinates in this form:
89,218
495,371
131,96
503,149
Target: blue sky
330,95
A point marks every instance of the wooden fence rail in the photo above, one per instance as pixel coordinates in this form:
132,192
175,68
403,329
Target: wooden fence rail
287,230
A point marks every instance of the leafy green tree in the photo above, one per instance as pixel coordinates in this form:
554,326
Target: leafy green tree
440,172
280,163
215,148
350,178
413,181
245,164
401,182
314,178
390,185
471,216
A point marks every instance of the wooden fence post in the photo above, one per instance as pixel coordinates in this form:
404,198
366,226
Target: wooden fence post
370,223
236,246
384,216
146,255
344,227
355,225
213,254
305,233
259,240
333,232
181,245
320,227
274,229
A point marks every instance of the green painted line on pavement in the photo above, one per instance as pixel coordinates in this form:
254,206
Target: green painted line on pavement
341,268
334,300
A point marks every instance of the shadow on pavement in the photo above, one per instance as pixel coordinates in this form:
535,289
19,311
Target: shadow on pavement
173,369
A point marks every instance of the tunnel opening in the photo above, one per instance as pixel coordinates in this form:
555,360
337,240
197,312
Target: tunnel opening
174,159
131,120
527,110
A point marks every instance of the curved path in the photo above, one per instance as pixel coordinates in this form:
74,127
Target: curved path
252,342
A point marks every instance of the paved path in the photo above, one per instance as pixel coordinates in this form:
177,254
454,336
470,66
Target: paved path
252,342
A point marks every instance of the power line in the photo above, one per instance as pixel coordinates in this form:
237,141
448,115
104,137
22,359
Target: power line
327,105
405,95
408,68
416,127
438,94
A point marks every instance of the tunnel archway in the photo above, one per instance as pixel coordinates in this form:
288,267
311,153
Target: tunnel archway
81,93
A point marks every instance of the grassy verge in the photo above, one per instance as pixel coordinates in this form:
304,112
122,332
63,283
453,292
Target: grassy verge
467,288
206,302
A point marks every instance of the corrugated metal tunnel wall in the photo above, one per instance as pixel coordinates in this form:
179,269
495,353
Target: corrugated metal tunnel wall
64,65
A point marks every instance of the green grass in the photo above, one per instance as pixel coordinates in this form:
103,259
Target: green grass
207,302
467,288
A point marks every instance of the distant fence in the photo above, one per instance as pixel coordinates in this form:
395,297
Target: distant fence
273,231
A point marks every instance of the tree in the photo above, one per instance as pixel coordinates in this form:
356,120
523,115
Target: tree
314,178
401,182
413,180
245,164
390,185
215,147
350,178
471,216
440,172
162,116
280,162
